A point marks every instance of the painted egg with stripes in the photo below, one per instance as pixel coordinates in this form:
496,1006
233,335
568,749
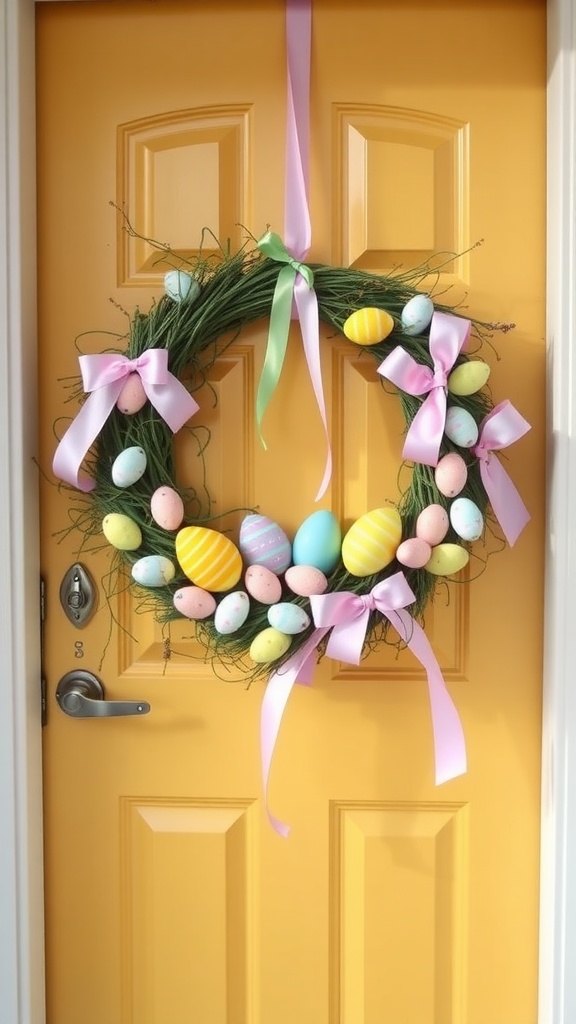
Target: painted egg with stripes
129,466
194,603
461,427
153,571
232,612
447,559
417,314
269,645
372,541
288,618
208,558
121,531
368,326
263,542
318,541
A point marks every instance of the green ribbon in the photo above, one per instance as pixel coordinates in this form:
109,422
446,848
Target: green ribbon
280,315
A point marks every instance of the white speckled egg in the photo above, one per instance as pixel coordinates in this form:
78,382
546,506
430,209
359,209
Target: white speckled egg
194,602
167,508
451,475
129,466
269,645
232,612
469,377
413,553
447,559
432,524
132,396
288,618
181,286
121,531
467,519
417,314
263,542
461,427
153,571
318,541
368,325
306,580
262,584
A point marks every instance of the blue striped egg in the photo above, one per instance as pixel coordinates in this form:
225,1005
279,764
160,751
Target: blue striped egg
263,542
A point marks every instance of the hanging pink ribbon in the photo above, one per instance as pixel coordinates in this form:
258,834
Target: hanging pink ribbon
447,336
103,377
500,428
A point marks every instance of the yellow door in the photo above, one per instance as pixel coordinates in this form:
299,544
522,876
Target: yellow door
170,898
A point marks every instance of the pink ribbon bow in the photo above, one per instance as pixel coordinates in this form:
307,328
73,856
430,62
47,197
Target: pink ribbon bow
501,427
447,336
103,377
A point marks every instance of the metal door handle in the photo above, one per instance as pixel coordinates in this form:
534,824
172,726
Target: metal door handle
81,695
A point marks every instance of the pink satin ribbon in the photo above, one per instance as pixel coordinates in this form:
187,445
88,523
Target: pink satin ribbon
501,427
103,377
447,336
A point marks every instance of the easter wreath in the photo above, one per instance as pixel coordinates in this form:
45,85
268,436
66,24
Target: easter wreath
452,434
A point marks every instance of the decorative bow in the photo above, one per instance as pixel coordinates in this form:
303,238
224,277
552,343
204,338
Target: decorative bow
500,428
447,336
103,377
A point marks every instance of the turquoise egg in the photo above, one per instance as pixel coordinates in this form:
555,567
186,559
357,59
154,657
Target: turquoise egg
288,618
153,571
129,466
467,519
417,314
318,542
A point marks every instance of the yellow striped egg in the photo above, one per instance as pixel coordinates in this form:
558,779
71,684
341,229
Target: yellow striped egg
368,326
208,558
372,541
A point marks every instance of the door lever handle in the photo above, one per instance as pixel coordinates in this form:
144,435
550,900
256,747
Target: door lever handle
81,695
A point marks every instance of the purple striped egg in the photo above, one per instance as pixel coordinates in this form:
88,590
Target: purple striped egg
263,542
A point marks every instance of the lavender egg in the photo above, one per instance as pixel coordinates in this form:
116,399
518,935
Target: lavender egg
263,542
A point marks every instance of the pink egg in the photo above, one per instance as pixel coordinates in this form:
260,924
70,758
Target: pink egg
451,475
132,396
305,580
167,508
194,603
413,553
262,584
432,524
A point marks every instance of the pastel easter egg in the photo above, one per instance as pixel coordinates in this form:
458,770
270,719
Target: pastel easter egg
194,603
208,558
469,377
269,645
417,314
132,396
447,559
232,612
181,286
262,584
288,618
306,580
371,541
368,326
129,466
121,532
153,571
467,519
461,427
432,524
413,553
263,542
451,475
318,541
167,508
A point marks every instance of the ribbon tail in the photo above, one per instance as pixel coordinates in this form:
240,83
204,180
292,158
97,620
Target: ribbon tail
424,437
297,226
174,403
81,435
347,639
506,502
277,342
307,306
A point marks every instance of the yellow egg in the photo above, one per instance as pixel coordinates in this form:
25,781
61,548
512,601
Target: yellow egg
372,541
368,326
469,377
269,645
208,558
447,559
121,531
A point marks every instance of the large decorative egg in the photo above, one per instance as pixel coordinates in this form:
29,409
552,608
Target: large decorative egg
232,612
467,519
451,474
121,532
129,466
461,427
208,558
288,618
263,542
181,286
153,571
132,396
432,524
269,645
167,508
371,541
469,377
262,584
413,553
306,580
194,603
368,326
318,541
447,559
417,314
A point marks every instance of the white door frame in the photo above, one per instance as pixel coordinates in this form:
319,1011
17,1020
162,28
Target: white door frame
21,902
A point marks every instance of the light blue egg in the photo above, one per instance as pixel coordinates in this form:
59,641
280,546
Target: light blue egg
467,519
318,542
153,571
461,427
181,286
129,466
288,618
417,314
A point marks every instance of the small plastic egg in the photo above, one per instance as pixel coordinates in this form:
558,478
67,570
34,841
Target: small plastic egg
263,542
288,618
451,474
232,612
181,286
417,314
153,571
469,377
461,427
447,559
262,584
121,532
318,541
129,466
269,645
432,524
413,553
194,603
467,519
371,542
306,580
132,396
167,508
368,326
